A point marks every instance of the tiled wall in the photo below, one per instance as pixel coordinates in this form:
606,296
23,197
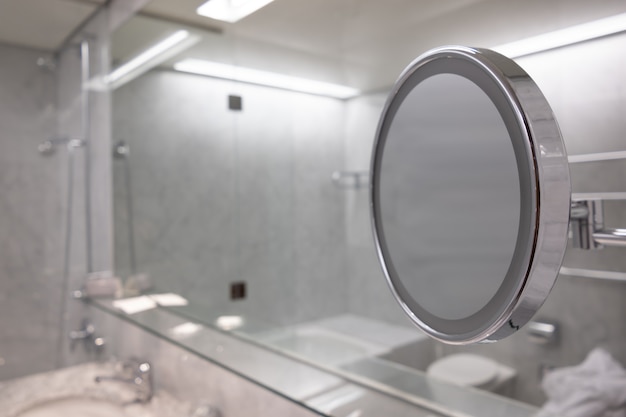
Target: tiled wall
371,296
221,196
587,91
31,220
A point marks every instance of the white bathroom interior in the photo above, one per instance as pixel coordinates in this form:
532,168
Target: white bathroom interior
242,205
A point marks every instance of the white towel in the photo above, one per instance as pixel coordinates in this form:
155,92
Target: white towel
595,388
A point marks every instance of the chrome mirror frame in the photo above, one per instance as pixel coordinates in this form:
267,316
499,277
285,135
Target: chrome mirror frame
545,193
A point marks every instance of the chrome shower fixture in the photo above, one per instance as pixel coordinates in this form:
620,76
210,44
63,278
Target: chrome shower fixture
48,147
121,150
47,63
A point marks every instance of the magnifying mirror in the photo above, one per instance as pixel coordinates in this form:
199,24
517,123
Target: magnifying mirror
470,195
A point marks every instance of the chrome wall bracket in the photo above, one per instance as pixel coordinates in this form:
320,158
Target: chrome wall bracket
587,226
87,335
351,179
49,146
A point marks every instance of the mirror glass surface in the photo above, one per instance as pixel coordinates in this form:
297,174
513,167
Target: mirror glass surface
449,196
275,195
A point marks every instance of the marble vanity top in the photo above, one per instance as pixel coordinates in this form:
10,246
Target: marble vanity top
75,387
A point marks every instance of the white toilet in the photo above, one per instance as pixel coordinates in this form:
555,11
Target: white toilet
475,371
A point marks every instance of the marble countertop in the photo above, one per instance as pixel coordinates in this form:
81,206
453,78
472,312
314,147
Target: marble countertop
19,395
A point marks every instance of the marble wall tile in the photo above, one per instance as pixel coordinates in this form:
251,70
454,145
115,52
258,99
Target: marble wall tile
30,221
267,269
371,296
180,170
319,238
221,196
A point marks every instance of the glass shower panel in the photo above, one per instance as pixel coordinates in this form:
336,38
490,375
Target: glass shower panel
52,173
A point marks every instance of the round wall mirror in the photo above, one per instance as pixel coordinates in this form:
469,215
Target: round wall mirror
470,195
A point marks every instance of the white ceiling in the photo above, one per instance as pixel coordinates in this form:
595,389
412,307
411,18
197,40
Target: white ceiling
42,24
363,43
334,28
322,27
344,28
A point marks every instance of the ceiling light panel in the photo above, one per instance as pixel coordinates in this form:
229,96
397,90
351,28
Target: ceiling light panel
151,57
563,37
231,10
270,79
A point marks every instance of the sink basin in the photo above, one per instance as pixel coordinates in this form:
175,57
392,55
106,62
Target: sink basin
73,392
75,407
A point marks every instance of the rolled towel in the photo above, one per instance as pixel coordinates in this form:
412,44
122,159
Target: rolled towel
595,388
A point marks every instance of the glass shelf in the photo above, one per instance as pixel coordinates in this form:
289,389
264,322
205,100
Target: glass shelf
364,383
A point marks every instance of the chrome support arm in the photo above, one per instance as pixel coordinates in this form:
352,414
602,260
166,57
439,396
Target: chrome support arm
610,237
587,216
587,226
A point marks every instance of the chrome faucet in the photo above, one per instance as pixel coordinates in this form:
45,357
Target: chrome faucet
137,373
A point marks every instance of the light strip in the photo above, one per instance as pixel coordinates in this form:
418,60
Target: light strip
271,79
231,10
150,58
599,196
594,157
591,273
563,37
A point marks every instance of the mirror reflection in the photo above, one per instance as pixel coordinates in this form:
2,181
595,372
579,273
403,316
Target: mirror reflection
450,196
224,192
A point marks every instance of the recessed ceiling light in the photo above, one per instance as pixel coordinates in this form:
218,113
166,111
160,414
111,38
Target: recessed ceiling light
230,10
271,79
151,57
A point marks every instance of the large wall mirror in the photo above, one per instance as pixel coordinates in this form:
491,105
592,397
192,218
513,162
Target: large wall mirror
241,182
